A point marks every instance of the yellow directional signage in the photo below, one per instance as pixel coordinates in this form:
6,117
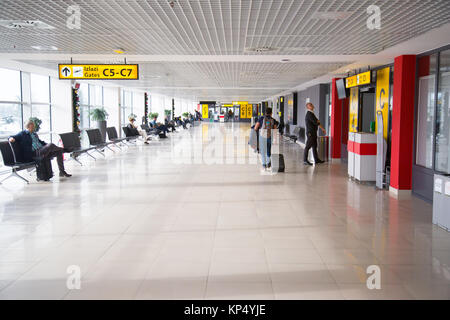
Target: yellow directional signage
99,71
358,80
353,113
205,111
382,98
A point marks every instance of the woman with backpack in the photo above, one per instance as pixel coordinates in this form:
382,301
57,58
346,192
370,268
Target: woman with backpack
264,126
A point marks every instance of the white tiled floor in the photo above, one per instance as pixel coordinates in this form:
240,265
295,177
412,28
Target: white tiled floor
162,222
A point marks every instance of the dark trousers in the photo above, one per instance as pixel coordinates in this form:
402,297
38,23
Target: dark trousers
162,128
311,142
49,151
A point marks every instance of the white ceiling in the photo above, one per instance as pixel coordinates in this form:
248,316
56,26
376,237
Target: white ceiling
214,30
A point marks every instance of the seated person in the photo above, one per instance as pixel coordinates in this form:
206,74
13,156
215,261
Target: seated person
34,149
169,124
159,126
136,131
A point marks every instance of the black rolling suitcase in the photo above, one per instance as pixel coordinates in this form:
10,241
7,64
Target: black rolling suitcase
278,163
44,170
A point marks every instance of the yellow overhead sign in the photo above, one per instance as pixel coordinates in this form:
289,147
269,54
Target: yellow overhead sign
99,71
358,80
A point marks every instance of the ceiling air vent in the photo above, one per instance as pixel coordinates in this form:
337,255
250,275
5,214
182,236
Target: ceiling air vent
261,49
25,24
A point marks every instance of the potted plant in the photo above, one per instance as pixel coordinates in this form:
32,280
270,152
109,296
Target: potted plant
100,115
167,113
37,123
185,115
153,115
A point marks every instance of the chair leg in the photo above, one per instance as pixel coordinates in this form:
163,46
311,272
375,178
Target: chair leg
100,152
90,155
78,161
110,148
15,174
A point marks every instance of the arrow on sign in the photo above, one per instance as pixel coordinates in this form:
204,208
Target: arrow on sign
66,71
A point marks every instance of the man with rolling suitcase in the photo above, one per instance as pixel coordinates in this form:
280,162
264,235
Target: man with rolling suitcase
265,126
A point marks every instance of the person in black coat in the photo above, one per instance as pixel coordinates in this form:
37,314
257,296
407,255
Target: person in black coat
312,124
33,149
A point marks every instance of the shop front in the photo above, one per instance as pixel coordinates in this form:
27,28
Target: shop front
432,123
369,99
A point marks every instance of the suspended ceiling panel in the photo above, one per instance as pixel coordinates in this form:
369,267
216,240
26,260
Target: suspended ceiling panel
220,26
217,27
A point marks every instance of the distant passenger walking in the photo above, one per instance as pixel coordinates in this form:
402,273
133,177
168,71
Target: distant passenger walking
264,126
312,124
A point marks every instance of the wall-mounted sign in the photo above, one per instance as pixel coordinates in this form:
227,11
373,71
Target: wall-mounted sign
382,98
205,111
358,80
99,71
438,185
249,111
353,112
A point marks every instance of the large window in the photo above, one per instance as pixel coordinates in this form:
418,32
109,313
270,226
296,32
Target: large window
443,115
24,95
425,111
91,97
40,103
126,106
10,102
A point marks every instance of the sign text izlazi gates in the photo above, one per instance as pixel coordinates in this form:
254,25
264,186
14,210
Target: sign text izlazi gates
99,71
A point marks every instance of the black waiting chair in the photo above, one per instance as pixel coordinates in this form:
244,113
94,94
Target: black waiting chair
150,131
12,157
96,141
295,135
113,136
302,135
72,145
130,136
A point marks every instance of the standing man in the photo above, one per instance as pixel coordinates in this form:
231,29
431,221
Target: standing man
33,148
312,124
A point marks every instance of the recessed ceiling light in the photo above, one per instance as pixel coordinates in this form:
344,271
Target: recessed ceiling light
25,24
45,48
119,50
260,49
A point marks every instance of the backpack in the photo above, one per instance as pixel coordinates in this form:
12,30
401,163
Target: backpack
44,170
267,126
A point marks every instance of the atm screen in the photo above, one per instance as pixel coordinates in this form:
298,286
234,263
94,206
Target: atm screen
341,90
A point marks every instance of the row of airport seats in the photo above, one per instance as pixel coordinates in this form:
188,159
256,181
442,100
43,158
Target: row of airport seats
297,135
12,156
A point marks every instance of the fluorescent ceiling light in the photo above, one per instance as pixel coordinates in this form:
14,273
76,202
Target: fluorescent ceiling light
45,48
